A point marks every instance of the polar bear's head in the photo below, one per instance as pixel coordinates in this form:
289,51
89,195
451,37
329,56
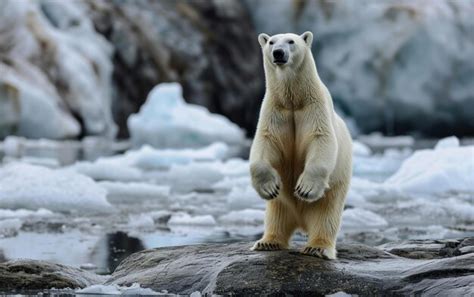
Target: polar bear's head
285,50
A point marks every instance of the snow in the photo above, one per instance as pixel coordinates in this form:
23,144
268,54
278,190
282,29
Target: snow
186,219
133,191
245,216
447,168
358,218
134,289
33,187
166,120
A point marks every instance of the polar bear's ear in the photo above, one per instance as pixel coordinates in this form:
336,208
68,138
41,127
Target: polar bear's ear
308,38
262,39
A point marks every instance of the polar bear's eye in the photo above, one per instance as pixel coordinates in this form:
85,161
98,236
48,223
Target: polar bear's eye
271,42
291,41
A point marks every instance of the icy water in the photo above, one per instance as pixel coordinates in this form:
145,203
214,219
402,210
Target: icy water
212,201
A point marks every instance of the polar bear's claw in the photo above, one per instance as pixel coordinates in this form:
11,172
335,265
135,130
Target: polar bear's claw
319,252
309,190
266,246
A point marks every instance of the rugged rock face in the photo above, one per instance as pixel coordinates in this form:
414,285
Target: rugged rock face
424,268
208,46
388,64
34,275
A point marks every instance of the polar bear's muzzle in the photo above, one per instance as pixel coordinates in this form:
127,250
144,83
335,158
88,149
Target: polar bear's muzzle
279,56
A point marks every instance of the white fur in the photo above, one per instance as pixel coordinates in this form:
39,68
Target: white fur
301,146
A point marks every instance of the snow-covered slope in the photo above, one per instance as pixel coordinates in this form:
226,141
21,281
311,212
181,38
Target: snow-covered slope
54,68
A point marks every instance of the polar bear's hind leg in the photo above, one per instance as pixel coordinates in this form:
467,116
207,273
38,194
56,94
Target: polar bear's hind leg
279,226
323,219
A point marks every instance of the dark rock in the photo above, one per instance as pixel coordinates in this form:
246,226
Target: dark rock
428,249
232,269
31,275
210,47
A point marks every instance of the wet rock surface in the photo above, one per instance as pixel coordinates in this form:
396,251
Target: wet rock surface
421,268
425,267
32,275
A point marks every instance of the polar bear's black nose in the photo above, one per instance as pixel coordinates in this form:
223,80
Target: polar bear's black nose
278,54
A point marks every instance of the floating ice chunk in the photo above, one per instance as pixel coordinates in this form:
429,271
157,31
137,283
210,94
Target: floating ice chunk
379,141
141,221
233,167
228,183
192,177
134,290
34,187
10,227
447,142
358,218
244,197
24,213
186,219
245,216
360,149
100,170
379,167
131,192
148,157
165,120
440,170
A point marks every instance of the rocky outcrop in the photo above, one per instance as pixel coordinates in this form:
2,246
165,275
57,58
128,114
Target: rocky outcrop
208,46
232,269
33,275
420,268
388,63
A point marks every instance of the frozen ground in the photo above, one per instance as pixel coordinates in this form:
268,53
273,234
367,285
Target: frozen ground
93,214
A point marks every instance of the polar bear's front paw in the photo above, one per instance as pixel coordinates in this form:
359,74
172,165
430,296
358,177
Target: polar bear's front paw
263,245
323,253
309,188
265,180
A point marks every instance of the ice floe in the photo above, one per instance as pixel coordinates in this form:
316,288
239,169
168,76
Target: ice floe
166,120
34,187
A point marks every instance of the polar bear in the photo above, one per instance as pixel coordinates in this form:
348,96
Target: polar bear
301,156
